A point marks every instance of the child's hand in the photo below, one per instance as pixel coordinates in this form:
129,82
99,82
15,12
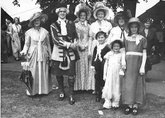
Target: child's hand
121,72
93,68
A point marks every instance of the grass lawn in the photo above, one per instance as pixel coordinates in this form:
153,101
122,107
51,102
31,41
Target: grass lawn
15,103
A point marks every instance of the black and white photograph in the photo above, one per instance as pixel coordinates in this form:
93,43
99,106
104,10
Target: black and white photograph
82,59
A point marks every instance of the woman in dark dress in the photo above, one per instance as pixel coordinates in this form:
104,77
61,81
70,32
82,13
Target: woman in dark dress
134,84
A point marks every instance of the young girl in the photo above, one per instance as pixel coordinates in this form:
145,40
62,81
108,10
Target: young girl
134,83
99,51
112,69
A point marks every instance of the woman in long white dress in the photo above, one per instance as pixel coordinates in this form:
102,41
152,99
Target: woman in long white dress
15,42
38,51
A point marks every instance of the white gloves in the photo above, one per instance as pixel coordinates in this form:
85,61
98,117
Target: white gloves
64,44
142,70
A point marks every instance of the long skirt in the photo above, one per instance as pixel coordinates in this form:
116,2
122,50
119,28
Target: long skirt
16,44
133,85
42,83
82,81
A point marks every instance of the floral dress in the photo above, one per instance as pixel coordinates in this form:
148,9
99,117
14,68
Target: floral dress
83,82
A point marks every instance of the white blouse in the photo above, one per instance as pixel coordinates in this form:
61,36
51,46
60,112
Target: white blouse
116,34
104,26
37,39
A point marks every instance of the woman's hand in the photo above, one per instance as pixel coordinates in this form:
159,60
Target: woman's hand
22,53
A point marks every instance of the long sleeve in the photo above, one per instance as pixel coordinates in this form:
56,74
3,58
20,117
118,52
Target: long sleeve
144,58
91,35
54,33
104,51
94,55
27,43
48,46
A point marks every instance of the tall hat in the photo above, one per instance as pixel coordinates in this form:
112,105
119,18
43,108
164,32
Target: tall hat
85,9
43,18
100,6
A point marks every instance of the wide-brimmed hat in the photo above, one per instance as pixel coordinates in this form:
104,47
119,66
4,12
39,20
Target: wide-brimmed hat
100,6
85,9
135,20
43,18
122,14
59,6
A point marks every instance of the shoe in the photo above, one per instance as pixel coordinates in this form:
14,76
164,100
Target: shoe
115,108
127,110
61,96
115,105
71,100
134,111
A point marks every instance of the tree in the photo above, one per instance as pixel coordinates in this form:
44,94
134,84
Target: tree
48,5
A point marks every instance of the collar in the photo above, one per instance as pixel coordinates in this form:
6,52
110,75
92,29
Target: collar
60,20
100,22
84,23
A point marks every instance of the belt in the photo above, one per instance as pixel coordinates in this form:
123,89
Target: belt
134,53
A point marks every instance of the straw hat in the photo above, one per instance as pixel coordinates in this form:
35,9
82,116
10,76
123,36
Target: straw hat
135,20
85,9
100,6
43,18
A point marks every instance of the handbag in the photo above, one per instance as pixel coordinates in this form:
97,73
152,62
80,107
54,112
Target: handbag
26,76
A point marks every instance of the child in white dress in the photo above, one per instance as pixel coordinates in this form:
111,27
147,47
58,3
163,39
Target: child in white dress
112,71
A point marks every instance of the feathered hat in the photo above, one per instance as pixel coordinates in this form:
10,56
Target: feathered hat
43,18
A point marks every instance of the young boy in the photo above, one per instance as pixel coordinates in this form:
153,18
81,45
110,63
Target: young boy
97,62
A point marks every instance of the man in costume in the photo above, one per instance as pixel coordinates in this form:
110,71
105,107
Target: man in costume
64,53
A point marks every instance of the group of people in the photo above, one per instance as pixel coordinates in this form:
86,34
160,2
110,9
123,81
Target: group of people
12,34
108,59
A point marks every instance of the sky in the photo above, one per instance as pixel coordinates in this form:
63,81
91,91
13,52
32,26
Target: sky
28,7
24,12
143,6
